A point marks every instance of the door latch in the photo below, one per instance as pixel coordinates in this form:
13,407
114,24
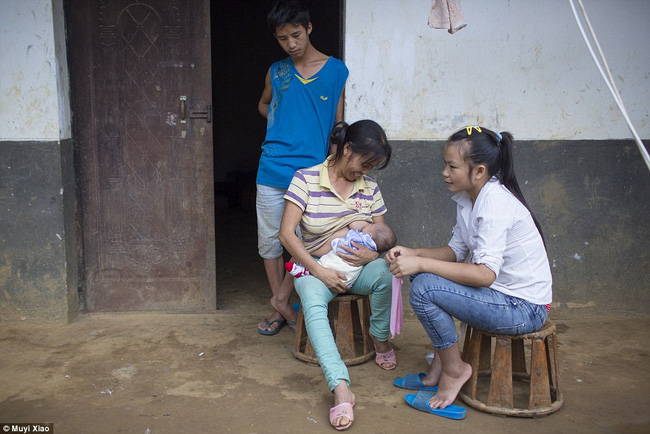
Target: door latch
205,113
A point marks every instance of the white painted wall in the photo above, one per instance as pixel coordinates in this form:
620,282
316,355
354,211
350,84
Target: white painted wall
520,66
62,75
34,100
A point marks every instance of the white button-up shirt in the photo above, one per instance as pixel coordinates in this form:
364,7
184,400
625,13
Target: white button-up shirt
499,232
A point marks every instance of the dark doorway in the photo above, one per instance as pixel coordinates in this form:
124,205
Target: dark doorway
243,49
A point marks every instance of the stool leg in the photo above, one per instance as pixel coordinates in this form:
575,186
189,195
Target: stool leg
345,331
471,357
500,394
368,346
485,355
555,373
357,328
356,320
309,350
466,340
518,356
540,393
300,332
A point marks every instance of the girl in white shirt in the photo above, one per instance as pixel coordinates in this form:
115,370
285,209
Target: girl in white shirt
494,273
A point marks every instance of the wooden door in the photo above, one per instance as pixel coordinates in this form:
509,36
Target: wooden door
141,99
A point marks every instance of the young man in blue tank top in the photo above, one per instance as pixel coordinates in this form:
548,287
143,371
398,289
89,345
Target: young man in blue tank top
302,100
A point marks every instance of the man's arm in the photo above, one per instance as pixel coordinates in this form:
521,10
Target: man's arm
339,108
338,117
267,94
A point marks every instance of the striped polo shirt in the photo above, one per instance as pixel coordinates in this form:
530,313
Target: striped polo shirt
324,210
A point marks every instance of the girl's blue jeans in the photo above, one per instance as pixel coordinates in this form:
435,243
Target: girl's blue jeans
436,301
375,280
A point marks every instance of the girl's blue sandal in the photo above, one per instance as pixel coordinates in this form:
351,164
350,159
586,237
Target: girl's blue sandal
421,402
414,382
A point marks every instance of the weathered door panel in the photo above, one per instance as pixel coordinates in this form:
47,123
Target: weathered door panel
141,88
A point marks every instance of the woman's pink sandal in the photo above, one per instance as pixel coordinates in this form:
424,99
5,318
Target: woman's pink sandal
386,361
342,410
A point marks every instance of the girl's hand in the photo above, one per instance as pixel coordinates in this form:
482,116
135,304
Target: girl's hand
357,258
403,261
399,251
334,280
404,265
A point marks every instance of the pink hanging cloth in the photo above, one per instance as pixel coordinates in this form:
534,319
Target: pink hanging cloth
446,14
396,310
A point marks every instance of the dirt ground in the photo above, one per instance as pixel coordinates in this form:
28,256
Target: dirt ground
213,373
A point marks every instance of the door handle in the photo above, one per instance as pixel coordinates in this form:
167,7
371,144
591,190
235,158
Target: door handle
183,98
205,113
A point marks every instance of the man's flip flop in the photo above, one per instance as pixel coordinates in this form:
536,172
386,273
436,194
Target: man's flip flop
421,402
292,324
414,382
275,331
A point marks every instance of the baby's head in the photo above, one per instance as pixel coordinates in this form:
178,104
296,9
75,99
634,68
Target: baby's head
382,235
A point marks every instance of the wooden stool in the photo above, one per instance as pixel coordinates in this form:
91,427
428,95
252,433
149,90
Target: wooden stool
349,317
496,394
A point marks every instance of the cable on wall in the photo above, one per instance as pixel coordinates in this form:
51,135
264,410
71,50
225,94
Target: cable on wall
609,80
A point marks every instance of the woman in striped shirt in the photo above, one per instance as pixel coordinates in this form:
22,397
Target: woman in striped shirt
322,200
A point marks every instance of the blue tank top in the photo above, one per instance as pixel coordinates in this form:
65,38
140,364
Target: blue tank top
300,117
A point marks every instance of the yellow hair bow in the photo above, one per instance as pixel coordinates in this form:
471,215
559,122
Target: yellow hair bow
469,130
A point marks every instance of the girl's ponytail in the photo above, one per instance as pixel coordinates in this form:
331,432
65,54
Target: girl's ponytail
507,173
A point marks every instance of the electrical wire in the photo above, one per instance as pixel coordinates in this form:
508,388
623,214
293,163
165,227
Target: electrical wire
609,80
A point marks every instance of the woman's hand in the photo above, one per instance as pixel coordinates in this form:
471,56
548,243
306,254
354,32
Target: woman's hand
357,256
334,280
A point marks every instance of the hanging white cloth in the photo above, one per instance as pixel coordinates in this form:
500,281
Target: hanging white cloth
446,14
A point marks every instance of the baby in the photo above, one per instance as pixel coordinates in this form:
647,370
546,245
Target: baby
375,236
